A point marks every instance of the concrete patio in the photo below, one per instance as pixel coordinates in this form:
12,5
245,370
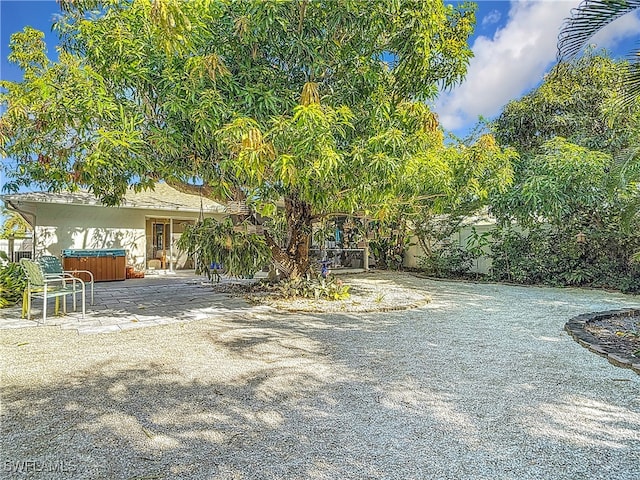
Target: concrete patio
158,299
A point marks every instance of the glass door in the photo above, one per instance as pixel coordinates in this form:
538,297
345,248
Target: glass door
161,238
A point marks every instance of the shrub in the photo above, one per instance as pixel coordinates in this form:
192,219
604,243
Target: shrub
215,244
553,257
447,261
12,284
328,288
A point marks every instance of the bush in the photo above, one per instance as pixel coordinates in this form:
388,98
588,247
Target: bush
12,284
543,255
448,261
328,288
389,245
215,244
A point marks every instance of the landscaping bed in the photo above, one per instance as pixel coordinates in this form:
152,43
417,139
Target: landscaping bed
613,334
368,292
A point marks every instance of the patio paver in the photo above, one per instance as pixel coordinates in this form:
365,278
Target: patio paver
136,303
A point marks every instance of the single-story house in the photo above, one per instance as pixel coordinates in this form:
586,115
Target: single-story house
146,225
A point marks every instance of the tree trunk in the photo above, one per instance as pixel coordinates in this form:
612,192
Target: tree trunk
292,259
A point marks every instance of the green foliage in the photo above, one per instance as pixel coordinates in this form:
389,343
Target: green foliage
436,191
477,170
447,261
577,172
13,224
553,256
555,185
318,288
557,194
388,244
260,101
119,106
577,101
477,243
12,284
210,242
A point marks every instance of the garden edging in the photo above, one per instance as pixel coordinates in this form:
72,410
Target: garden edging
576,328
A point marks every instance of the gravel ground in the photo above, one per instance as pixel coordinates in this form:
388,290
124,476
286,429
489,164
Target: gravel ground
481,383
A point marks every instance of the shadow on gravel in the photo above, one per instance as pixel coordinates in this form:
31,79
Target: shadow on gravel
318,397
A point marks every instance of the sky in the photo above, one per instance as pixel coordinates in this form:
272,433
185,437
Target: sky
514,46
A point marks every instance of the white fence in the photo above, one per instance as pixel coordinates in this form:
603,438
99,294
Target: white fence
17,248
482,264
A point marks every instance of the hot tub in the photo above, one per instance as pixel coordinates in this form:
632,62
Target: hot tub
106,264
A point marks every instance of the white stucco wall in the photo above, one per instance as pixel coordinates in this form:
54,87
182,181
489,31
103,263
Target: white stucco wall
60,227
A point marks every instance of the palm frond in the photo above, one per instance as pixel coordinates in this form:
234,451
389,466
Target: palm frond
631,81
587,19
626,166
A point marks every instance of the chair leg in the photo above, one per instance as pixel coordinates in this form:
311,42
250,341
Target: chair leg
29,305
24,303
83,300
75,305
44,306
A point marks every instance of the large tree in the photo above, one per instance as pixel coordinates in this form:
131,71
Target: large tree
574,198
577,101
586,20
307,108
457,183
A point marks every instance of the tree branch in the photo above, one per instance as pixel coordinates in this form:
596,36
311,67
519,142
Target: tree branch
188,188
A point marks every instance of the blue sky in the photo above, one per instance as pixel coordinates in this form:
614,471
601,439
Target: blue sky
14,16
514,45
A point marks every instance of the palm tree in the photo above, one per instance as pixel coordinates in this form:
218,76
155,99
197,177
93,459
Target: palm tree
12,223
587,19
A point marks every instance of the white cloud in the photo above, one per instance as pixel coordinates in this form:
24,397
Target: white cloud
615,32
515,59
491,18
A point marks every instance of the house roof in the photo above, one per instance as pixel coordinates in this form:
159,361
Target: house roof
162,197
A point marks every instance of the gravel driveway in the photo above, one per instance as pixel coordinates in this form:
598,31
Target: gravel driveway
482,383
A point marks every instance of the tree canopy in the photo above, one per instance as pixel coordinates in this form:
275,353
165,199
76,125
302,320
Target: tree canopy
317,104
165,89
577,101
568,215
571,118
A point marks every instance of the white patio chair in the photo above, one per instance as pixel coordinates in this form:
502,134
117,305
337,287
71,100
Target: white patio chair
39,286
52,267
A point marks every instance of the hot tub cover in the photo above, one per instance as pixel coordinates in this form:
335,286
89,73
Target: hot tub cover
103,252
